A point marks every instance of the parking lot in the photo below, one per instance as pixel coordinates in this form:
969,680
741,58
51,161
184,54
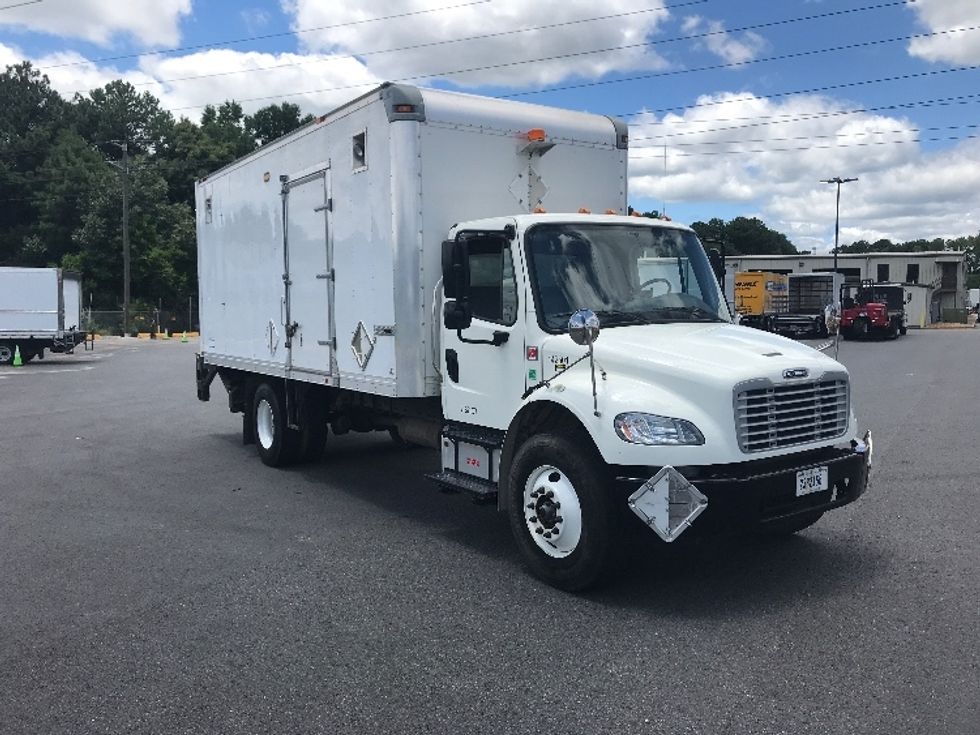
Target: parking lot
156,577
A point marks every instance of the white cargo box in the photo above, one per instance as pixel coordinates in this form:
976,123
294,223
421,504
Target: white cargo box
39,302
342,295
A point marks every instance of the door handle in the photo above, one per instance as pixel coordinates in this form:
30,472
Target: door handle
499,337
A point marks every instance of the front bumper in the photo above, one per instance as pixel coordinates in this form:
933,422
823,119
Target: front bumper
748,495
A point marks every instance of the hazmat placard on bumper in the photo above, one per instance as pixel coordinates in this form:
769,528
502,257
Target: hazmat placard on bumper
668,503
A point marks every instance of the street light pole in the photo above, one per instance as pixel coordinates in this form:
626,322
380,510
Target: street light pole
837,180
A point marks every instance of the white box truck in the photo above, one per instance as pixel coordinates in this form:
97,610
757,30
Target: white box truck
40,309
388,268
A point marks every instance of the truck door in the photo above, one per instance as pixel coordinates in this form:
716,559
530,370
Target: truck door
309,283
483,381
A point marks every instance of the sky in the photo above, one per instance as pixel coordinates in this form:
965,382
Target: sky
735,107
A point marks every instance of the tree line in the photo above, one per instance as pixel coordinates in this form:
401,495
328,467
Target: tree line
61,181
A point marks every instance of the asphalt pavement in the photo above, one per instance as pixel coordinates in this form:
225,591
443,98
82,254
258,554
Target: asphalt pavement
155,577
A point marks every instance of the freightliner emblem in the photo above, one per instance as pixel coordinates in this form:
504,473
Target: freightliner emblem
795,373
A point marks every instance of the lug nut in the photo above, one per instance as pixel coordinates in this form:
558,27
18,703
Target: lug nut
547,534
549,493
559,519
533,519
539,530
557,505
530,506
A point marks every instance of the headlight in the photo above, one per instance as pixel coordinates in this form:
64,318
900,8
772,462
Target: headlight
648,428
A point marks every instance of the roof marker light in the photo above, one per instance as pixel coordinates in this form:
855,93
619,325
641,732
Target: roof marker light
536,135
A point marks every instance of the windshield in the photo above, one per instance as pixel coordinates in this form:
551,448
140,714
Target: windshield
627,274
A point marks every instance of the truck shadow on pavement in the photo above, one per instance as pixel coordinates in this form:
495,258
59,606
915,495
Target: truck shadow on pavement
717,578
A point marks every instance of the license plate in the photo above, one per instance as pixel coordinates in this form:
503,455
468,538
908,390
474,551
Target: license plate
813,480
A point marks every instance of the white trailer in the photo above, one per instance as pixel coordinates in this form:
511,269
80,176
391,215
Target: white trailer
40,309
389,267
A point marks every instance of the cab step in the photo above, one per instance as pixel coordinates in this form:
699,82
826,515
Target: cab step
453,481
478,435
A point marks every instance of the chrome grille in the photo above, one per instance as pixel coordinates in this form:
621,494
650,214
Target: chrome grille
773,416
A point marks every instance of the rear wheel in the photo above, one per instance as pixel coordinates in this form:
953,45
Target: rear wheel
561,512
276,444
6,353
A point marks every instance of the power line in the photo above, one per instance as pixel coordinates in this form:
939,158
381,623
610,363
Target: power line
550,26
267,36
903,141
789,117
829,136
774,95
674,72
20,5
430,44
716,67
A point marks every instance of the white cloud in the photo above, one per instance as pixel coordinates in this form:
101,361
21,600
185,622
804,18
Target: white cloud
152,22
942,15
770,156
727,46
507,45
325,81
184,84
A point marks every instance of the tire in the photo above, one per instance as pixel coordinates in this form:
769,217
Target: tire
791,525
903,330
6,353
276,444
846,333
564,483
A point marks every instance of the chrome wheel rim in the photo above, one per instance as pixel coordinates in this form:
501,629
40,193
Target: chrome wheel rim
6,354
265,424
552,511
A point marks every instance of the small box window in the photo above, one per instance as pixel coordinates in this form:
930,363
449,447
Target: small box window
912,273
359,151
883,274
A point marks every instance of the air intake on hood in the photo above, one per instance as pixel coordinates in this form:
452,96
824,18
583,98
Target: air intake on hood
772,416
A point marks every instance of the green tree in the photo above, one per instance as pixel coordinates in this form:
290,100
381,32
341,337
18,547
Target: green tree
275,121
162,246
30,114
118,114
745,236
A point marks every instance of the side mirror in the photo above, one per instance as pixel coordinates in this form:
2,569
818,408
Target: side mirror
583,327
717,261
455,268
457,315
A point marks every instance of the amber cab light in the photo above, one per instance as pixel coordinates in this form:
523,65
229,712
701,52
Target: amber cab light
536,135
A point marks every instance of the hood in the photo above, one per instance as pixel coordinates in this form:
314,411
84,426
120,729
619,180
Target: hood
725,352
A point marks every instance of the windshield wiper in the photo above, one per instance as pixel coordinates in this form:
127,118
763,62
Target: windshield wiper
696,313
612,316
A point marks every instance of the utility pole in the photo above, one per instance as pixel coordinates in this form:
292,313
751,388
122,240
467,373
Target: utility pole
837,180
125,235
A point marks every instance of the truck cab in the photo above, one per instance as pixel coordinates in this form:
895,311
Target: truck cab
590,366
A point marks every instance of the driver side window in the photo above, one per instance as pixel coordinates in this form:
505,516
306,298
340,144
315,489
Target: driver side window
493,288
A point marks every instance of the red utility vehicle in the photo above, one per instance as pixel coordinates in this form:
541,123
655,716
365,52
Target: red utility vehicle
872,308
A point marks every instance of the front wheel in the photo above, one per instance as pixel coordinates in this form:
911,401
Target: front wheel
6,354
561,512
